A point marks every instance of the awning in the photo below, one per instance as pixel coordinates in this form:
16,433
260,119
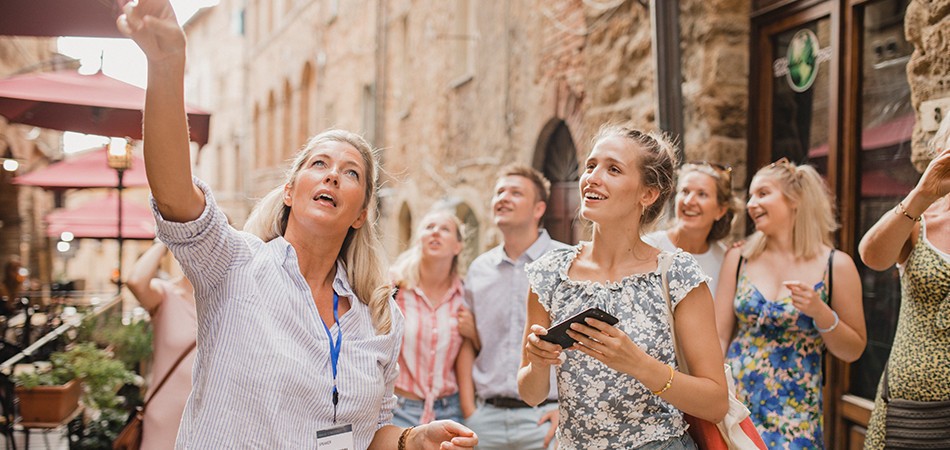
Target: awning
92,104
94,18
879,183
88,170
890,133
97,219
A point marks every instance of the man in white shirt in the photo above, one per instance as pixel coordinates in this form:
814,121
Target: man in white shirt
496,292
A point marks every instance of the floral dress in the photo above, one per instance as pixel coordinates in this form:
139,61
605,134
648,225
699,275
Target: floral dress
599,407
776,362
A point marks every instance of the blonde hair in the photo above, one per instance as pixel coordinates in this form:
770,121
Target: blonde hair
362,252
814,221
657,158
406,268
724,197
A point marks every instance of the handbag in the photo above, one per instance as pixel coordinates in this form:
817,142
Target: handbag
736,431
130,438
915,424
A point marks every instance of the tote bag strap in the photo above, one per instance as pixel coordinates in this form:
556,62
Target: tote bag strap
169,373
665,260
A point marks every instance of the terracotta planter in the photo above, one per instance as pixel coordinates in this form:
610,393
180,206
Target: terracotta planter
49,404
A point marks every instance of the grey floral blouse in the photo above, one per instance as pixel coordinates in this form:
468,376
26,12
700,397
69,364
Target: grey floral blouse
599,407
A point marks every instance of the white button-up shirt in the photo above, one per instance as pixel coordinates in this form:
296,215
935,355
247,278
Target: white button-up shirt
262,376
496,289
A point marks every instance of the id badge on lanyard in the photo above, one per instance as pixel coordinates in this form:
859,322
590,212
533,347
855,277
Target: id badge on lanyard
335,348
339,438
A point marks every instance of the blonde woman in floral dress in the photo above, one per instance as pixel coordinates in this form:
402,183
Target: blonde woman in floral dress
784,307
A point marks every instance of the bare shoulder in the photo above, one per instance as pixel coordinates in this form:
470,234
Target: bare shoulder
732,256
843,263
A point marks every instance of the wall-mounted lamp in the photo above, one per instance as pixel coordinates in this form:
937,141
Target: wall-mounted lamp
120,153
10,164
120,158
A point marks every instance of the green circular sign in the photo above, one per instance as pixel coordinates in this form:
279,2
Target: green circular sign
802,59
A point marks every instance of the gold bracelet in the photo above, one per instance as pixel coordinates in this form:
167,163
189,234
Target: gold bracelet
403,437
668,382
900,205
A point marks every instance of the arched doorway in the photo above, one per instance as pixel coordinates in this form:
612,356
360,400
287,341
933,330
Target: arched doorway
556,158
405,227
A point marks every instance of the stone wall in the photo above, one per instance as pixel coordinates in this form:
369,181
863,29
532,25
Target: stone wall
23,208
451,91
715,66
927,27
216,82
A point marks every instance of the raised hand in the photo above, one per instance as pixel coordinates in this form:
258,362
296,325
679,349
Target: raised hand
935,182
153,26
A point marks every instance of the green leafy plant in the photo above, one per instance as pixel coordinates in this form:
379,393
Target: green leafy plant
99,433
56,377
131,343
100,373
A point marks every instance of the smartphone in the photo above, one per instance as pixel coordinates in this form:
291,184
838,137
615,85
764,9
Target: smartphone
558,333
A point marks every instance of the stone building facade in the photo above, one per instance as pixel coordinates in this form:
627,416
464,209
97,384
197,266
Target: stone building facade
451,91
928,71
23,209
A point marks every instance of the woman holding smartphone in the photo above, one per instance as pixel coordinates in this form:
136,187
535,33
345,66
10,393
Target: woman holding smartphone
619,385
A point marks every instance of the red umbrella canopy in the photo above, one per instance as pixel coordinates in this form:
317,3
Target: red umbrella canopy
92,104
89,170
97,219
94,18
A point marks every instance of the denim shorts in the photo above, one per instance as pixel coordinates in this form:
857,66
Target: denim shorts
408,412
683,442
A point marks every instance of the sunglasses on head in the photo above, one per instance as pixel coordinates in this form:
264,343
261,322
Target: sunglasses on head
720,169
781,162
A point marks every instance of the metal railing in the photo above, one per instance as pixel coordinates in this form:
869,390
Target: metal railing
6,368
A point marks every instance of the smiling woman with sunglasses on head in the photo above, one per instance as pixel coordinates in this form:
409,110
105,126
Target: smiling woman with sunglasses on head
777,290
705,209
298,337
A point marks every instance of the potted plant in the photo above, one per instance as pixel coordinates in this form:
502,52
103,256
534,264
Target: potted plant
99,372
47,396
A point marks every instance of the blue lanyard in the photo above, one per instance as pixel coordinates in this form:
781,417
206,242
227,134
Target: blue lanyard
335,347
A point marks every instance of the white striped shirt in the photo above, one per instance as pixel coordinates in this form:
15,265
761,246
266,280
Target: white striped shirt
262,376
430,345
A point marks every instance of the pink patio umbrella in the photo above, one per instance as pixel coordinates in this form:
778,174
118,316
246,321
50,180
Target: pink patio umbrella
95,18
91,170
88,170
97,219
94,104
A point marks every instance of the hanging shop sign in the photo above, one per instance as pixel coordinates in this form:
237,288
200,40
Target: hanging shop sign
800,64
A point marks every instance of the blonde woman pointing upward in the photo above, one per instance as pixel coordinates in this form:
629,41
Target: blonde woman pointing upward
298,336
